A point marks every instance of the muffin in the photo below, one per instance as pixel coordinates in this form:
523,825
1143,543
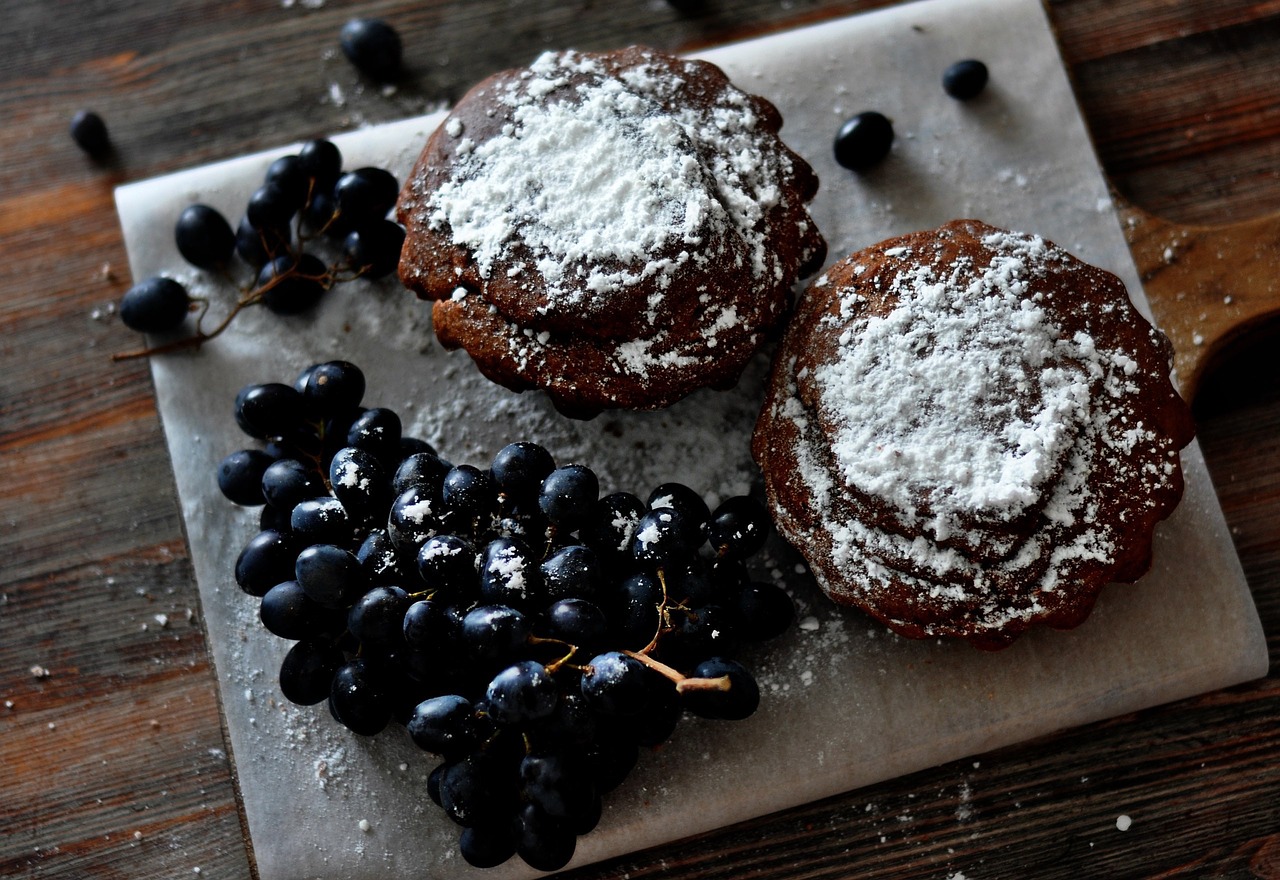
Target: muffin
967,431
617,229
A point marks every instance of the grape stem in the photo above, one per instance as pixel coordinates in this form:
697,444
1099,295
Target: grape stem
684,683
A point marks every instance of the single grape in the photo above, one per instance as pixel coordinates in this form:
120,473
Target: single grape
307,671
509,574
378,431
322,161
662,712
422,470
288,612
544,842
287,482
90,133
524,691
381,559
693,510
732,696
661,537
204,237
559,783
611,525
268,559
321,520
864,141
412,519
373,46
739,527
578,622
330,575
428,626
272,206
468,492
268,410
290,174
762,611
377,617
614,684
359,482
358,699
259,246
372,250
447,565
571,571
519,469
365,195
331,388
965,79
291,285
240,476
495,633
637,617
568,495
155,305
487,846
446,726
477,791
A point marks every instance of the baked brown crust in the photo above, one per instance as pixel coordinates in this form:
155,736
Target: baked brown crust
618,229
968,431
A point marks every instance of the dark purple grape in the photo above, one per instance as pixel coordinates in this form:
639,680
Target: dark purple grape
155,305
259,246
468,492
378,431
447,565
578,622
268,410
307,671
330,575
422,470
412,519
321,521
373,46
738,527
762,611
487,846
331,388
240,476
568,495
546,843
611,525
365,195
523,692
637,620
268,559
290,174
735,695
509,574
377,617
287,611
965,79
291,286
559,783
661,537
204,237
359,483
372,250
359,699
614,684
446,726
321,160
272,206
90,133
519,469
495,632
477,791
864,141
693,510
428,626
287,482
382,560
571,572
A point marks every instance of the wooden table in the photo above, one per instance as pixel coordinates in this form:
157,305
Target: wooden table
112,759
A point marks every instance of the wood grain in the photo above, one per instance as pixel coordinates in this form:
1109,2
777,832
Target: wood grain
113,756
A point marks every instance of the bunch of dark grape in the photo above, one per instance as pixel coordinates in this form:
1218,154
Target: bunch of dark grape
531,633
305,198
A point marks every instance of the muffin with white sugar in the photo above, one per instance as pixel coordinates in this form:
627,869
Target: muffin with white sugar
617,229
968,431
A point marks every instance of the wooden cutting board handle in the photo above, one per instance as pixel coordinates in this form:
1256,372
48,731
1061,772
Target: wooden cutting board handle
1208,285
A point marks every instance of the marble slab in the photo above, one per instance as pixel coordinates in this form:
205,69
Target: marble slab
845,704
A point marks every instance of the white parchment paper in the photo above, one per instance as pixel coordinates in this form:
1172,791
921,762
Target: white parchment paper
845,703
